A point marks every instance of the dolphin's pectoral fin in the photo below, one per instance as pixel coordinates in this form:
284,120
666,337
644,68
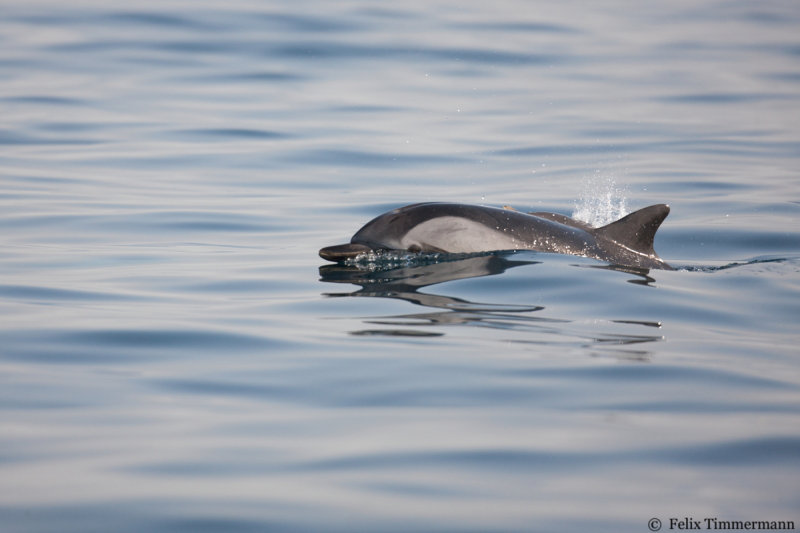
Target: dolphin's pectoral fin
340,252
637,230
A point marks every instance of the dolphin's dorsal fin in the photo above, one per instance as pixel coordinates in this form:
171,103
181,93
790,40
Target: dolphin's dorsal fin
637,230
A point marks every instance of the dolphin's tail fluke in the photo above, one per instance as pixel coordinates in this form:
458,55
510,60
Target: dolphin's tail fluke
637,230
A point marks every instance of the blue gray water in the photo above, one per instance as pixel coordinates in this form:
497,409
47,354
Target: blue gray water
175,357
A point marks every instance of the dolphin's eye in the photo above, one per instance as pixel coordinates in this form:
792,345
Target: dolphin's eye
414,248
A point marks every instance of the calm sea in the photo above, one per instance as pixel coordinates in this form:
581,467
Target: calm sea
175,357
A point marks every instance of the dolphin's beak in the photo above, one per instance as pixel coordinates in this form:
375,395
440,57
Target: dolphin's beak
340,252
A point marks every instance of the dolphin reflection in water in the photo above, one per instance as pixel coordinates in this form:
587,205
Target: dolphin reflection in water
406,281
463,229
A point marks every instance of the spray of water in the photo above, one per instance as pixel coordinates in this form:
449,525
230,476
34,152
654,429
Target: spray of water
602,201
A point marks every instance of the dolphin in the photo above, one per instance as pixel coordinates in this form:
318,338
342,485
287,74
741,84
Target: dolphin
464,229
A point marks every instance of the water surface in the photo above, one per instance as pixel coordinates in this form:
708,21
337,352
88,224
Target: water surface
175,357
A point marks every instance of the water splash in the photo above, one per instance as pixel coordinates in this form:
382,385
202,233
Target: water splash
602,201
381,260
390,259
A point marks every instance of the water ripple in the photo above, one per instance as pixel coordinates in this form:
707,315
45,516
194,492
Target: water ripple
160,221
49,294
759,451
726,98
232,134
363,158
128,345
18,138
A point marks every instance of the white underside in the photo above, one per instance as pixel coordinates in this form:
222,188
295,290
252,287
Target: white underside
457,234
